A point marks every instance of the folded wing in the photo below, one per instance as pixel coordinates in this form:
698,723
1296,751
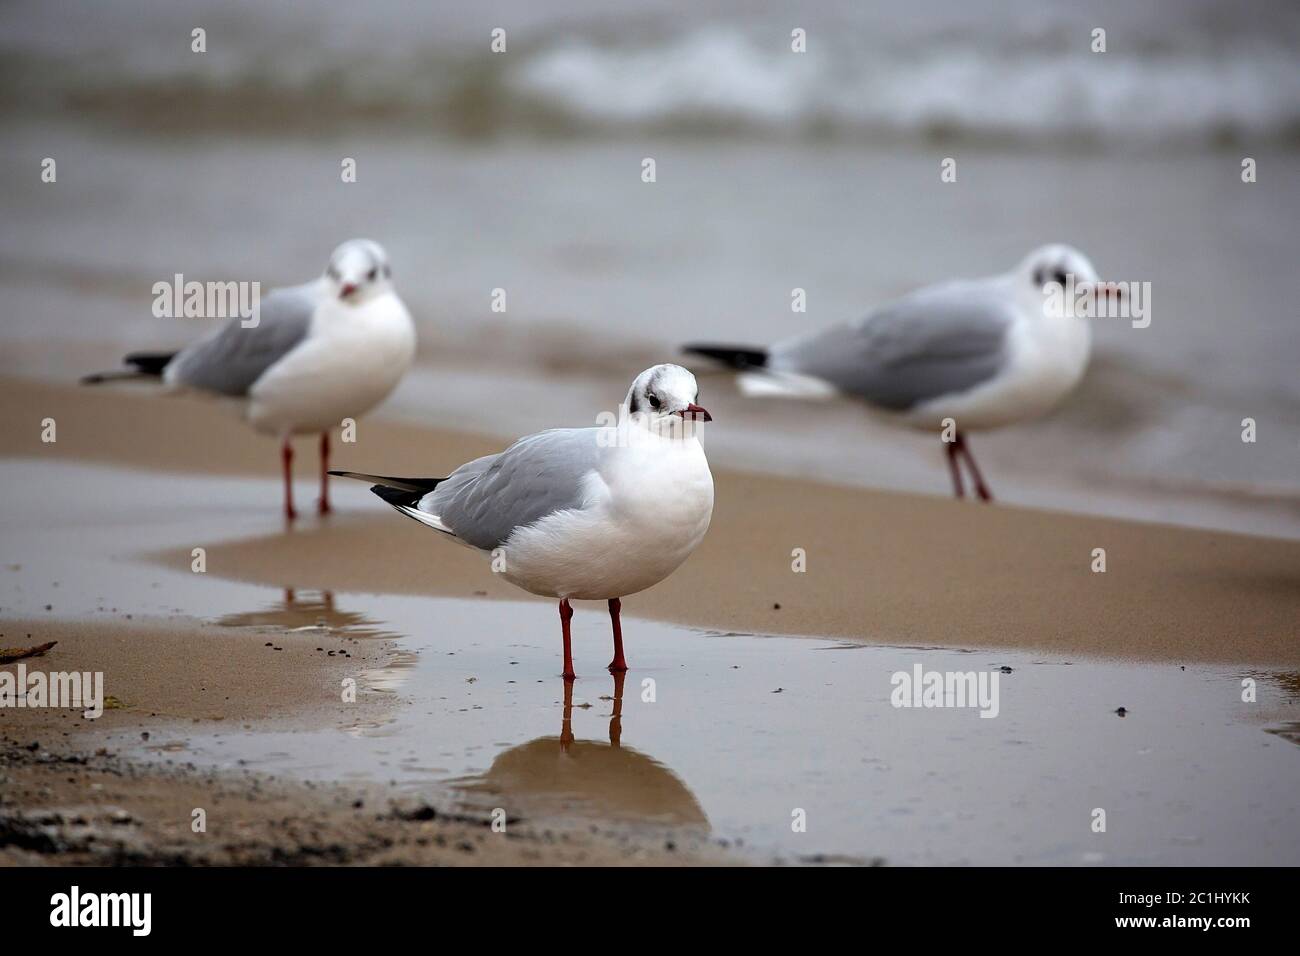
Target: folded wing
932,343
231,359
487,499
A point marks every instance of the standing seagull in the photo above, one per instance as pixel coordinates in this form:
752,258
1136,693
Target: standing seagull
983,352
589,514
320,352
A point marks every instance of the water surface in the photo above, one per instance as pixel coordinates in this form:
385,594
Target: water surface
724,735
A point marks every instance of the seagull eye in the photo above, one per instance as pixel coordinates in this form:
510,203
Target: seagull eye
654,401
371,275
1042,276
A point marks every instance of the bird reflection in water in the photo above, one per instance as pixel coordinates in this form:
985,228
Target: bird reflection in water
565,776
307,610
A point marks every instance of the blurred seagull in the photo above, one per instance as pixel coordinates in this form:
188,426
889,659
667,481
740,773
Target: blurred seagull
589,514
983,352
320,352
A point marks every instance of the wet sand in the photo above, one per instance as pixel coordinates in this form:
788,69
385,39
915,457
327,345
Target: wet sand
1124,690
119,789
881,567
462,716
459,710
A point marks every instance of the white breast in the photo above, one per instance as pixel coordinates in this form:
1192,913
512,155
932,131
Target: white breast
648,509
1047,356
351,360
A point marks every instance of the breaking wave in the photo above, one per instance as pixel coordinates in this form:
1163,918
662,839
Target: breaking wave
1223,80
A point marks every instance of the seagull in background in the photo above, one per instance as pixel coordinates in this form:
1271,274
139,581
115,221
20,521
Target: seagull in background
330,349
591,514
982,352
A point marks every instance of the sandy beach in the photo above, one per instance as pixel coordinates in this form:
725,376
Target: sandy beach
530,204
882,567
69,801
885,571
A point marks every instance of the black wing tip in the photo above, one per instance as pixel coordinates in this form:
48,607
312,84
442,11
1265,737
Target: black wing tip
732,356
99,378
144,365
150,363
398,497
399,492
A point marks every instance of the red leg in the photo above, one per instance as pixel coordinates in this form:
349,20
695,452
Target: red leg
566,615
616,718
618,664
323,503
286,454
566,722
980,488
951,448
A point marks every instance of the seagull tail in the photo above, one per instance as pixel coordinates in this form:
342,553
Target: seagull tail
144,365
404,494
768,384
757,378
394,490
738,357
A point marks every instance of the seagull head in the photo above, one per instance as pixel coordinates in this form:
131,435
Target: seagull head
1060,264
358,271
665,396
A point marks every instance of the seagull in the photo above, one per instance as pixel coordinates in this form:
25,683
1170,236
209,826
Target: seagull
320,352
591,514
982,353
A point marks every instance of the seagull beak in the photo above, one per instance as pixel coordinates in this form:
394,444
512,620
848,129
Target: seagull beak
696,412
347,290
1111,289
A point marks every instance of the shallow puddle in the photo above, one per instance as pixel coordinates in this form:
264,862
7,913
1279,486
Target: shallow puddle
740,737
734,734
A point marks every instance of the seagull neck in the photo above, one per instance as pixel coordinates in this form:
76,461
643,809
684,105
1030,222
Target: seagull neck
640,428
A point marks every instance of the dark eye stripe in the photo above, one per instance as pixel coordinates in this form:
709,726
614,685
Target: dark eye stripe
1042,275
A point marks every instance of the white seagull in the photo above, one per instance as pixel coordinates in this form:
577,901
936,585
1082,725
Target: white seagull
581,513
983,352
320,352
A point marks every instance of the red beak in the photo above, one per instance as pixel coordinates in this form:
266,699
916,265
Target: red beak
1111,289
347,290
695,411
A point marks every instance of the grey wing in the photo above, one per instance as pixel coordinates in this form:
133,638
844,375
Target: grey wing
230,360
484,501
934,342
